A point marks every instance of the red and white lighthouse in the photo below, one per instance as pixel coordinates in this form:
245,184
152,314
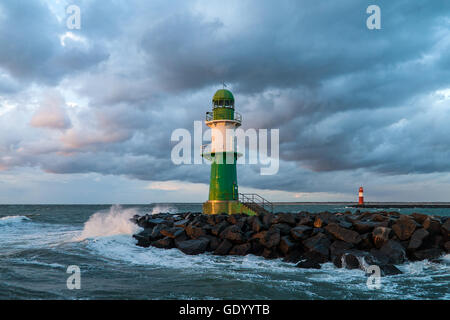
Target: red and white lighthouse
361,196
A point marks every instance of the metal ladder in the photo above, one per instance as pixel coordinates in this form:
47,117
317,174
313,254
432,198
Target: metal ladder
256,203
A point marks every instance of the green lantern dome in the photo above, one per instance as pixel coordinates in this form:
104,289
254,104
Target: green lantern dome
223,98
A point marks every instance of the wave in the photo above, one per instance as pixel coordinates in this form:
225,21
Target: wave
114,222
164,209
13,219
40,263
22,233
123,248
276,273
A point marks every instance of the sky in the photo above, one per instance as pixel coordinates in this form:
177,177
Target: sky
86,115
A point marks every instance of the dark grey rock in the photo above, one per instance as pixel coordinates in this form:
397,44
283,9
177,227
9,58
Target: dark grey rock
144,237
318,246
364,226
232,233
223,248
164,243
308,264
194,232
286,218
446,229
305,221
351,261
181,224
267,220
389,270
343,234
193,247
366,242
419,217
404,227
218,228
417,238
447,246
337,260
345,224
283,228
257,225
300,232
338,247
394,251
287,244
154,222
432,226
240,249
294,256
428,254
156,233
270,253
172,232
257,248
381,235
271,238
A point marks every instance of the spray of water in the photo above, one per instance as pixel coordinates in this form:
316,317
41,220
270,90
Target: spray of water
114,222
163,209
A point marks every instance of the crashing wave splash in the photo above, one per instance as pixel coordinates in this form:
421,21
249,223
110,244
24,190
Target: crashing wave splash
114,222
163,209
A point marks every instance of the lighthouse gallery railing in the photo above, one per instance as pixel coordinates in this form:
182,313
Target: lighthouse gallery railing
237,117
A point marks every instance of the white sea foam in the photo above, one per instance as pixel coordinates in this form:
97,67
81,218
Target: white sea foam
114,222
163,209
123,248
13,219
21,232
40,263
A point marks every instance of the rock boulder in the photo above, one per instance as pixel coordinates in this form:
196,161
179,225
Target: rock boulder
343,234
417,238
193,247
404,227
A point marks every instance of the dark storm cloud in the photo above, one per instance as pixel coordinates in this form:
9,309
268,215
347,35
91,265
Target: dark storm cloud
331,70
287,45
30,47
347,100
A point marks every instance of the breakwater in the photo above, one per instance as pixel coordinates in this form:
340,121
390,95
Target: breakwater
401,205
307,239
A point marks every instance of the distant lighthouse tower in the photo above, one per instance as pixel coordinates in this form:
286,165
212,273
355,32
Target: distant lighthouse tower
223,187
361,196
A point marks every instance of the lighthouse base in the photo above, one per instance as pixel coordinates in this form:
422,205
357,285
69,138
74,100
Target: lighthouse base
226,206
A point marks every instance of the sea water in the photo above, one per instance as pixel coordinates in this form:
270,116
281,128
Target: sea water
39,242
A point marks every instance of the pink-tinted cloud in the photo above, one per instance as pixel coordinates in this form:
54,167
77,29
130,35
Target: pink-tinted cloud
51,113
77,139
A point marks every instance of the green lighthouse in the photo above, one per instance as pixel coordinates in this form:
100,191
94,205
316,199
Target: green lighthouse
223,187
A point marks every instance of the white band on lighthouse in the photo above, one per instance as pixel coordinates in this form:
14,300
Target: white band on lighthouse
360,194
222,137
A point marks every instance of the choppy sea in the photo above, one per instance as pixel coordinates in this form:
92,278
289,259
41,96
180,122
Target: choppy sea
39,242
